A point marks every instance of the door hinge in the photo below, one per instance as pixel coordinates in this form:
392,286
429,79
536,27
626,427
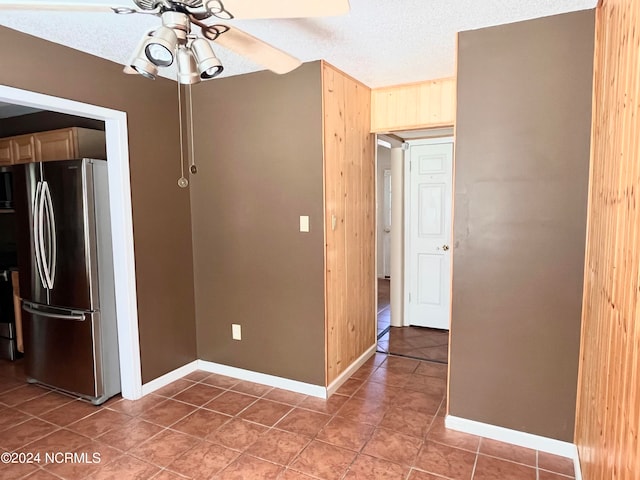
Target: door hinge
409,297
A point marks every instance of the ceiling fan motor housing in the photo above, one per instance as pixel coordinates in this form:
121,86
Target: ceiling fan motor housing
178,22
167,4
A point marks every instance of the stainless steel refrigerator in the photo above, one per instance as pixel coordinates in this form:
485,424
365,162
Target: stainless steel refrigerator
66,277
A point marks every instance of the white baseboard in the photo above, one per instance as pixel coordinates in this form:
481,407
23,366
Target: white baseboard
515,437
257,377
167,378
264,379
351,369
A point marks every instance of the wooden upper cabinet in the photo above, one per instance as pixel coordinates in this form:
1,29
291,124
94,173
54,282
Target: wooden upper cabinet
63,144
69,143
23,149
6,156
55,145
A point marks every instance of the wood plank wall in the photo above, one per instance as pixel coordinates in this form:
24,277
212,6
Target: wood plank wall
350,199
414,106
608,411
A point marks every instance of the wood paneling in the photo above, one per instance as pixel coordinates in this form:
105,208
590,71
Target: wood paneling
414,106
608,412
349,220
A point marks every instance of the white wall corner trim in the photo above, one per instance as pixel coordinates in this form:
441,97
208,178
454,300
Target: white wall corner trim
515,437
167,378
264,379
350,370
121,222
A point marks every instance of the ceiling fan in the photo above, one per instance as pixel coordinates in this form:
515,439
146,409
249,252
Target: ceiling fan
176,41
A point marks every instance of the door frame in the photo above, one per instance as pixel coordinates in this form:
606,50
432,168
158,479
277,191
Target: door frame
386,252
407,219
121,222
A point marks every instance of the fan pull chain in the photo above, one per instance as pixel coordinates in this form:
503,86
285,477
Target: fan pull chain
182,181
193,167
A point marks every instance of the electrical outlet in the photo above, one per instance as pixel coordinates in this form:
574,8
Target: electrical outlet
236,331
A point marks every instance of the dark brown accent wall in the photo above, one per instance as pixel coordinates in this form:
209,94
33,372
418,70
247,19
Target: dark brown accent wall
161,220
259,155
521,175
43,121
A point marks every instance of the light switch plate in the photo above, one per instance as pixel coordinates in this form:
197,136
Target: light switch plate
236,331
304,223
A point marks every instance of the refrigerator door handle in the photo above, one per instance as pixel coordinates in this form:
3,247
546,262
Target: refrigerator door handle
37,226
51,234
73,315
43,254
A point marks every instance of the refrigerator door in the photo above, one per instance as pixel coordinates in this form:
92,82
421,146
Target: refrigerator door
64,349
56,231
66,237
28,181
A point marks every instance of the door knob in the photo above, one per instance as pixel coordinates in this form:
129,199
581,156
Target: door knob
445,247
387,230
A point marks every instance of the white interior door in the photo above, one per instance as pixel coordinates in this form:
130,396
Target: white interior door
428,215
386,225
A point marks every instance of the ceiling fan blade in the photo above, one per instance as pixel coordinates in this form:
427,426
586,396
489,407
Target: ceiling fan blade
257,51
58,6
281,8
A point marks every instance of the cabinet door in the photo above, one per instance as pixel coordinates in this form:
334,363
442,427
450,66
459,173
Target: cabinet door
55,145
6,158
23,151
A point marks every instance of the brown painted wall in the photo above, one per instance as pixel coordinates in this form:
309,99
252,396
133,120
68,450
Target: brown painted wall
259,150
608,411
43,121
161,221
522,159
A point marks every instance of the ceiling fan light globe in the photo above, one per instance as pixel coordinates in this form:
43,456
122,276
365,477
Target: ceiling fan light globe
207,72
209,65
144,68
160,47
159,55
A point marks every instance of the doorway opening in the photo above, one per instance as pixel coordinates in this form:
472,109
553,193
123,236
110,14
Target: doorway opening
424,211
121,221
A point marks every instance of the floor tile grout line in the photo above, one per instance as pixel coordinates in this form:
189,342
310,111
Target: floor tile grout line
361,387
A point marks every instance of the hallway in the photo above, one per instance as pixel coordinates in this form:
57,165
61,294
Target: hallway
414,342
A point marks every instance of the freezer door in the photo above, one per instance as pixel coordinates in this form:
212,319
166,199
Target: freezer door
61,348
68,239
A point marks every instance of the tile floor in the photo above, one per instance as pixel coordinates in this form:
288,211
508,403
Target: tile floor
415,342
386,422
384,305
418,342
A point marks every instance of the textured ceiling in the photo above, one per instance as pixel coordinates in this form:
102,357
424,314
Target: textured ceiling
380,42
